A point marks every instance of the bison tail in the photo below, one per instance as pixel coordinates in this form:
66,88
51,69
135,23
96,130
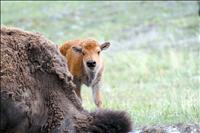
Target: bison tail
107,121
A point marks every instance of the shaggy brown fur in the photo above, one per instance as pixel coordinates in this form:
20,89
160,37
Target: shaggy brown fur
37,93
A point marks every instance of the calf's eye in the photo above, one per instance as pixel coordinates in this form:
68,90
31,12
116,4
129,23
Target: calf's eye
98,52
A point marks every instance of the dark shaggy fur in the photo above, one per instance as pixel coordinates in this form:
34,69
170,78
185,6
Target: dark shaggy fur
108,121
37,92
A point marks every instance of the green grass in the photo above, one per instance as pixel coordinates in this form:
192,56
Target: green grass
152,68
154,87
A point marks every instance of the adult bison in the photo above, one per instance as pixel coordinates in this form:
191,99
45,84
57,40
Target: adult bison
37,92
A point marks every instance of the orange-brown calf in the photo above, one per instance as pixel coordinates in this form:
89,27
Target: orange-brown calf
85,64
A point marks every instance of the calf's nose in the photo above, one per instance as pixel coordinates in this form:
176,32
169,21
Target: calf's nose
91,64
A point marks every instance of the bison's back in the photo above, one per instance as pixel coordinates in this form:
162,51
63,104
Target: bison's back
31,69
17,82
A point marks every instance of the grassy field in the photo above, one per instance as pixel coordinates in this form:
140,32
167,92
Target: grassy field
153,67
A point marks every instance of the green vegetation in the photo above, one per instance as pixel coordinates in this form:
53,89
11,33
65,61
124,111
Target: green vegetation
154,87
153,67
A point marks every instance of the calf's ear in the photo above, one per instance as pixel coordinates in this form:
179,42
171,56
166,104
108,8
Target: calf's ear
77,49
105,45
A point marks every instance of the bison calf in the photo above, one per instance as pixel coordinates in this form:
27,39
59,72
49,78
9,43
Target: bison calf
86,65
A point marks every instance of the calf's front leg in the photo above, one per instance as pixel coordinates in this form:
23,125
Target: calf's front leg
77,89
97,97
78,92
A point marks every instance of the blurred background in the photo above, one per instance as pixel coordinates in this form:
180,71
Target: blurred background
153,66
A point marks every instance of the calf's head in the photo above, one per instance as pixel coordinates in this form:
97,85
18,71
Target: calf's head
91,54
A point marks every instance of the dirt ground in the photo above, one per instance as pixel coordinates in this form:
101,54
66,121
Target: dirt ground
176,128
